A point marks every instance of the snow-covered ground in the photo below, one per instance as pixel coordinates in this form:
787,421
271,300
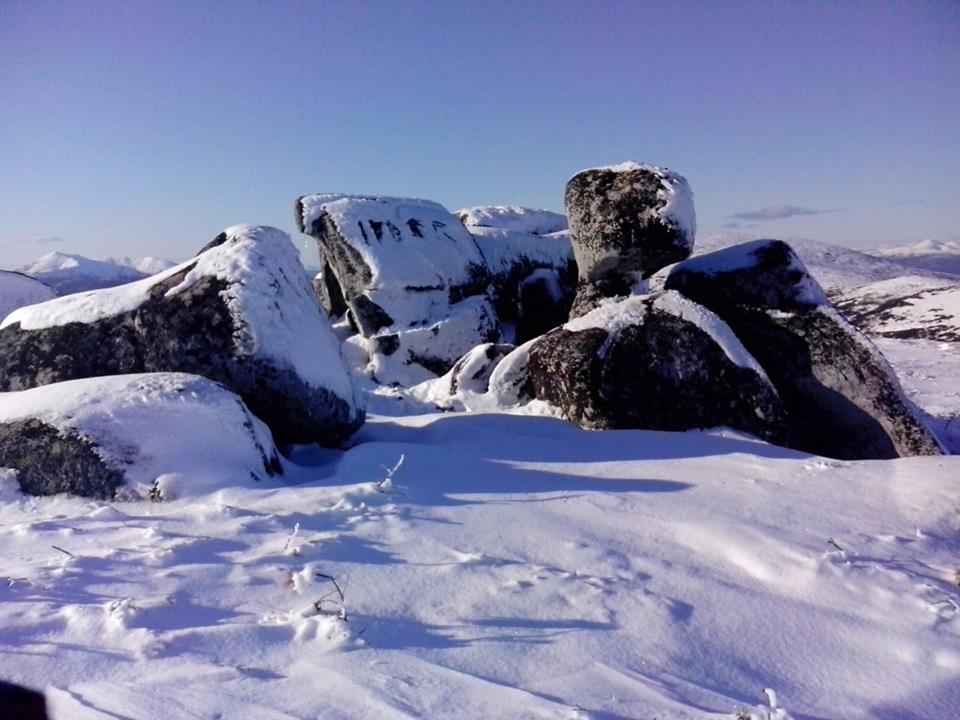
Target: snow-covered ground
484,565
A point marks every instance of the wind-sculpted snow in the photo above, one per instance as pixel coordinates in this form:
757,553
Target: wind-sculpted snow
513,219
160,435
242,313
512,567
17,290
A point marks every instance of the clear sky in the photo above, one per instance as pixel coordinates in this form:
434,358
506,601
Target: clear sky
147,127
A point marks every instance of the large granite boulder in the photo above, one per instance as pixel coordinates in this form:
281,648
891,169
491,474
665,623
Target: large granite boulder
658,362
155,435
17,290
533,278
401,266
242,313
626,221
842,398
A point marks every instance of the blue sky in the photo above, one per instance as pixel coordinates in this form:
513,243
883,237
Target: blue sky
146,127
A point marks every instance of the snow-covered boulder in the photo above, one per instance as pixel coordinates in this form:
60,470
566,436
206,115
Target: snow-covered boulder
514,219
242,313
17,290
907,308
406,270
658,362
842,398
160,434
533,279
627,221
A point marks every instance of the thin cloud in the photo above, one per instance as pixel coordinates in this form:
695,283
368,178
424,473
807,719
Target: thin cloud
46,240
777,212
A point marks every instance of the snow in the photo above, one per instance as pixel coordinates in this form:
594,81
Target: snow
520,567
189,432
17,290
619,314
503,249
69,273
932,255
514,219
438,256
910,306
269,295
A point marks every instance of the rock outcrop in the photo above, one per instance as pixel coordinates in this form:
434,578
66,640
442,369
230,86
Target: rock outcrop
145,433
841,397
626,222
401,266
658,362
242,313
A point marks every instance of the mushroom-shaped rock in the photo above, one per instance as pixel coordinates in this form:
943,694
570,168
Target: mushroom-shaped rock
242,313
841,396
157,434
658,362
626,222
17,290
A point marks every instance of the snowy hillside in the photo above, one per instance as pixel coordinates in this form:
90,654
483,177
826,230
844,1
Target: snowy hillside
69,273
926,254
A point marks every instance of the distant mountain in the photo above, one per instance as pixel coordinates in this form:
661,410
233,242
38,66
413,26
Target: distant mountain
926,255
68,273
837,269
17,290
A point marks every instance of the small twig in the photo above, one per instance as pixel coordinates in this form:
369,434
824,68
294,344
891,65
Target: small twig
834,544
335,584
65,552
293,534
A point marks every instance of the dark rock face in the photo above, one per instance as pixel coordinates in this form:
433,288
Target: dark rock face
543,303
49,461
20,703
842,399
661,373
625,222
762,273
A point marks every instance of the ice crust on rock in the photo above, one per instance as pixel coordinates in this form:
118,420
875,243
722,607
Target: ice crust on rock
17,290
512,218
264,334
184,429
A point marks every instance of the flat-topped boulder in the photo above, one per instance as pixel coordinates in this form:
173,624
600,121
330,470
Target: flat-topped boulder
406,270
626,221
658,362
152,435
842,398
242,312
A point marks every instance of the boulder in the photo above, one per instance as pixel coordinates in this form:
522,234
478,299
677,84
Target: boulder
242,313
471,373
157,435
17,290
532,279
841,397
658,362
626,222
400,266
